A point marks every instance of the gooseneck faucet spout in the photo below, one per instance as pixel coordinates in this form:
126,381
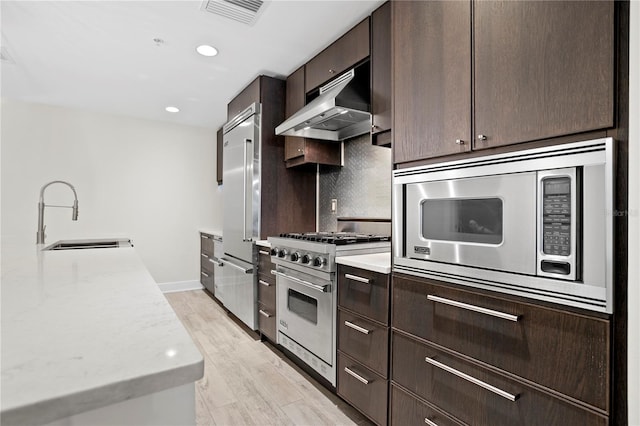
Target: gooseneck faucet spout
41,205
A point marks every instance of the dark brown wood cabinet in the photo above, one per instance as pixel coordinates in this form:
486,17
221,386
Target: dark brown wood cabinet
287,196
363,340
380,62
206,266
506,362
219,142
266,294
432,79
345,52
407,410
541,70
298,151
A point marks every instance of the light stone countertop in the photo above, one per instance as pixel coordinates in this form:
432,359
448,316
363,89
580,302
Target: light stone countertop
210,231
263,243
84,329
377,262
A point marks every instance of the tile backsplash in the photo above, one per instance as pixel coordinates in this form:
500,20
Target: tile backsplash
362,187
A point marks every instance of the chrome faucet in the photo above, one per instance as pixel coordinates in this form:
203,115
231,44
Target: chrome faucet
41,205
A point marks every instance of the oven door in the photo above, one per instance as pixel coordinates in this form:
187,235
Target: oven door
485,222
305,311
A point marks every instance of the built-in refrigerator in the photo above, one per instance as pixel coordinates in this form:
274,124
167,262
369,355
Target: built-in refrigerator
241,212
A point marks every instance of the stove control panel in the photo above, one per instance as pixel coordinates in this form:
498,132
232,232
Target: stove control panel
309,259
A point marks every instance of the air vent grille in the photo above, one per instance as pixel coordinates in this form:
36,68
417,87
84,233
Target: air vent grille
244,11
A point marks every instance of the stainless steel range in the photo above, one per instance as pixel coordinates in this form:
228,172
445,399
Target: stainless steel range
307,291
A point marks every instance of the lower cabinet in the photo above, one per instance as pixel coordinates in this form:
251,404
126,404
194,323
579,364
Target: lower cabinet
206,266
409,410
363,388
266,295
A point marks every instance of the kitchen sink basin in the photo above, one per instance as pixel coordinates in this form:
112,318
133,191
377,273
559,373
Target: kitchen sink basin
89,244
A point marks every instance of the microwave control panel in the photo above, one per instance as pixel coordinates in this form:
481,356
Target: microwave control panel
556,216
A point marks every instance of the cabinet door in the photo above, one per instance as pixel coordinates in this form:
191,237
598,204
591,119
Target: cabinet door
344,53
219,150
294,146
431,65
249,95
381,69
542,69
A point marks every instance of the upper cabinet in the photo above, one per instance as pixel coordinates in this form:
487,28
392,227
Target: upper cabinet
432,78
540,70
249,95
344,53
381,74
298,150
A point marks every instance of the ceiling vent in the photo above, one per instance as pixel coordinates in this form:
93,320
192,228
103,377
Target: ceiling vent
244,11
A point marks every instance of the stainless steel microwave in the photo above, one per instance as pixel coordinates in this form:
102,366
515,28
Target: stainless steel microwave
536,223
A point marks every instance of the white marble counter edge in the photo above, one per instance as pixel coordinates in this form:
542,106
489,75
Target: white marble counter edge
210,231
263,243
377,262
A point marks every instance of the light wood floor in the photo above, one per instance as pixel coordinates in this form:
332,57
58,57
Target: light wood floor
248,382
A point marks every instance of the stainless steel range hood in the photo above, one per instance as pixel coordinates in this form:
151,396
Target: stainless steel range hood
341,111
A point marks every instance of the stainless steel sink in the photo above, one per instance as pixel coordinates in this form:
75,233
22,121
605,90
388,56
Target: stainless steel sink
89,244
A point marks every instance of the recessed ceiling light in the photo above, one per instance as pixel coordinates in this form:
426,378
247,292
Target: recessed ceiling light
172,109
206,50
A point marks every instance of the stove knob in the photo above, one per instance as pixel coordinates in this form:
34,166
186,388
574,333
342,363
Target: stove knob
319,261
295,256
283,253
305,259
274,251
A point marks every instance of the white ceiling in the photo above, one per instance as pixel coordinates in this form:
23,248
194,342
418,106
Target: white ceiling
101,55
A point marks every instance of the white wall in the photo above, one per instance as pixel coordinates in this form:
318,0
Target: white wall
634,216
152,181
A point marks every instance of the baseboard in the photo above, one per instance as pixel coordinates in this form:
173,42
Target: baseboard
180,286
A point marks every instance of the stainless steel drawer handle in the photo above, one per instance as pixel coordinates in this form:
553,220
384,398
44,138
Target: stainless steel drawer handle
266,253
264,283
356,278
474,308
459,141
206,237
204,274
320,288
265,313
356,375
471,379
430,422
357,327
204,255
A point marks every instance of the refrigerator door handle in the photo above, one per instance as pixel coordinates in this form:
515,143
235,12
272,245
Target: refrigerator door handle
227,262
244,192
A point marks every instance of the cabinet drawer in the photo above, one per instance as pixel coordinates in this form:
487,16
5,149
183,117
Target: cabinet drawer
206,279
407,410
365,341
206,244
267,291
364,389
547,346
267,321
206,264
480,396
264,260
344,53
364,292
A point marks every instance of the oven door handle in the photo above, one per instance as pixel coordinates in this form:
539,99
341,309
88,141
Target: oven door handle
321,288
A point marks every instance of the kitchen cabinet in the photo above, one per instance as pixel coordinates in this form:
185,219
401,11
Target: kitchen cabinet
551,365
344,53
266,294
541,70
380,62
298,150
206,265
219,150
432,79
287,196
363,340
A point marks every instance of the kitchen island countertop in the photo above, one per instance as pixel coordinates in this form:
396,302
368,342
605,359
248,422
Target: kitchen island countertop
377,262
84,329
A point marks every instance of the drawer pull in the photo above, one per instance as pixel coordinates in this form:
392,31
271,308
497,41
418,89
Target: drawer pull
204,274
357,327
204,255
430,422
474,308
264,283
264,313
471,379
206,237
356,278
266,253
356,375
